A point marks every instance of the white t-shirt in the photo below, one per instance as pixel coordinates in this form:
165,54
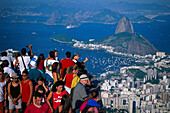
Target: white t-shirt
26,61
2,84
9,71
48,66
7,58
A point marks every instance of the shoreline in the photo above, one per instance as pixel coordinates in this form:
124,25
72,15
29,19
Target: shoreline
60,41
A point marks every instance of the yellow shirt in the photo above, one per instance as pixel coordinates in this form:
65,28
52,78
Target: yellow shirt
75,80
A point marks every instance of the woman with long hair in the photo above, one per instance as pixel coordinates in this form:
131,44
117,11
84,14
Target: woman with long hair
55,73
65,106
40,62
71,73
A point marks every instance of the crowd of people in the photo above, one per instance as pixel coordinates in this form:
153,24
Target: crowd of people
31,84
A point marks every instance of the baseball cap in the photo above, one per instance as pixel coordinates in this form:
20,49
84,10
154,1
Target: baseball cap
75,54
92,102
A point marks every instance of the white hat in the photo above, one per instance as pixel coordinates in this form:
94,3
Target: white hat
33,64
14,75
84,77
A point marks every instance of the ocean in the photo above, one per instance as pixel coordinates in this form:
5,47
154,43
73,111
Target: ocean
19,35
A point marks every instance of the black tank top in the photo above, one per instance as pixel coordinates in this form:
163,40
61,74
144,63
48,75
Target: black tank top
15,91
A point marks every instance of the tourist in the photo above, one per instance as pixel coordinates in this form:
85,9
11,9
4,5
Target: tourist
55,54
56,95
38,106
65,106
91,105
2,84
48,68
27,90
14,92
93,95
75,59
40,62
79,93
34,73
55,73
23,61
6,102
71,73
40,89
65,63
32,56
7,69
41,82
5,57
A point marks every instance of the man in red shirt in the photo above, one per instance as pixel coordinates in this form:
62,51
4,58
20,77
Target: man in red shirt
65,64
27,90
38,107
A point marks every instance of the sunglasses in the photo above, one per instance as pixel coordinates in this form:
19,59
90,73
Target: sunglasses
14,78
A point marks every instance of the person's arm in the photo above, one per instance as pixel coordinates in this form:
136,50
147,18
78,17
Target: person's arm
31,92
5,95
70,110
46,89
15,65
55,76
31,50
85,60
19,96
48,100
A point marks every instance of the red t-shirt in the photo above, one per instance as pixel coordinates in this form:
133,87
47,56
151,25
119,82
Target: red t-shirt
69,79
34,109
65,64
57,98
25,90
41,65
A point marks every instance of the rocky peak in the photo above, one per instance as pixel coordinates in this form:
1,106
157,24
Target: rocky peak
124,25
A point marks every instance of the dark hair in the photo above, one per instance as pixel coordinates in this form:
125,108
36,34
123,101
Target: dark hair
51,54
68,54
58,83
5,75
23,51
55,51
65,101
25,71
2,70
54,67
5,63
40,78
37,94
4,53
40,87
95,93
40,57
85,110
81,71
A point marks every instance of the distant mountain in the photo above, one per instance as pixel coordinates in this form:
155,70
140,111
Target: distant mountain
141,19
126,41
106,16
162,18
124,25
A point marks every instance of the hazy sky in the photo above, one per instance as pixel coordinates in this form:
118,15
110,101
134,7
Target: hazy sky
165,2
